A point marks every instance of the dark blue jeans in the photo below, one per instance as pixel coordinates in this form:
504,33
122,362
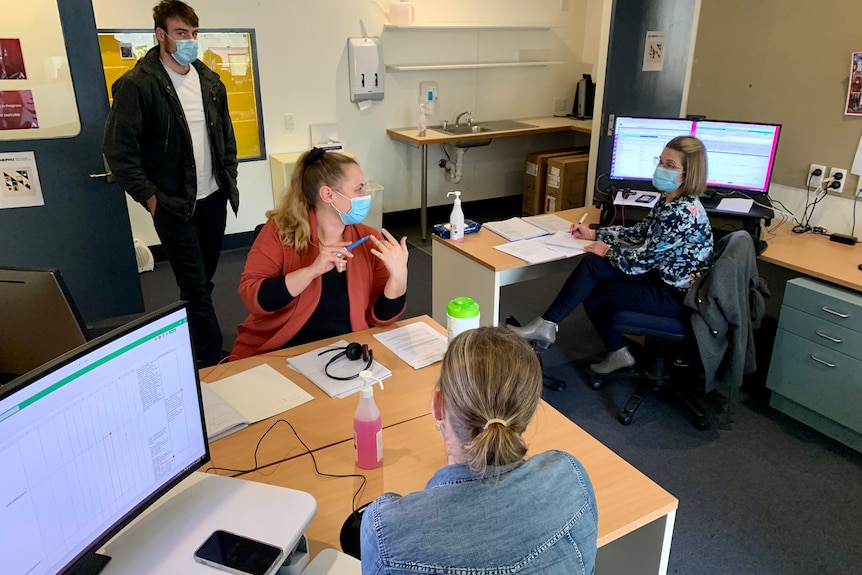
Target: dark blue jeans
602,289
193,247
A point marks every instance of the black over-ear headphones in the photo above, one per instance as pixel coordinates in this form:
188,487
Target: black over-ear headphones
353,351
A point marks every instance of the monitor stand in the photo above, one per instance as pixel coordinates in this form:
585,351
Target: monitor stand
92,564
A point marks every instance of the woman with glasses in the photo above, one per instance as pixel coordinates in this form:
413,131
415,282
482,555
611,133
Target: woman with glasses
645,267
311,274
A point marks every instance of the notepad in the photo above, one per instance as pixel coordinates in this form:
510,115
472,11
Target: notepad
515,229
418,344
551,223
253,395
532,251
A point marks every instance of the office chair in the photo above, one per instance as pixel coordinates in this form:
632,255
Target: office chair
724,306
664,338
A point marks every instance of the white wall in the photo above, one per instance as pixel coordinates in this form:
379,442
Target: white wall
302,56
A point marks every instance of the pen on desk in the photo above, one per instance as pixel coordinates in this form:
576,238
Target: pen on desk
356,243
583,217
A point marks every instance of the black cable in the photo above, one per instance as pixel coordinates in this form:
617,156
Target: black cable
257,467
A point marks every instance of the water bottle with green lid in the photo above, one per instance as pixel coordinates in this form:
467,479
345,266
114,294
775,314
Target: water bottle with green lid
462,313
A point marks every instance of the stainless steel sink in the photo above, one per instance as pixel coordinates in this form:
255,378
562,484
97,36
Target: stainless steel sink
461,130
502,125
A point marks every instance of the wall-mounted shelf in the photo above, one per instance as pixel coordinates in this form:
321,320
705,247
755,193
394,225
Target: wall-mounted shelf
468,66
478,27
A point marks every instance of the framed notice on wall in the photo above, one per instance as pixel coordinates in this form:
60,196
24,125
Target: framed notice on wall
854,87
37,98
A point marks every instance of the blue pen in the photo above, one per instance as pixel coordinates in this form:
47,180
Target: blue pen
356,243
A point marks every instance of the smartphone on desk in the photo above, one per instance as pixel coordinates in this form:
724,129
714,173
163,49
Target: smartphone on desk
239,555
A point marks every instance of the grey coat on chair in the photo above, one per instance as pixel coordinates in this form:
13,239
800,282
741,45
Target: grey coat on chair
728,304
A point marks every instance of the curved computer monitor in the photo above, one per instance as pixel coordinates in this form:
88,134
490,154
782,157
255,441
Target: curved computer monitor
39,321
90,440
739,155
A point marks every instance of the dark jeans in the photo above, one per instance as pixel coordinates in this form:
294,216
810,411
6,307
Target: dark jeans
193,249
602,289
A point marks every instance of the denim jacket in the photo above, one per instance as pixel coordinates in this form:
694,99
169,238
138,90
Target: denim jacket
537,516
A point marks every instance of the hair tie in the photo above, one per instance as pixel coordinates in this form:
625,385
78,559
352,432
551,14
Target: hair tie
313,155
502,422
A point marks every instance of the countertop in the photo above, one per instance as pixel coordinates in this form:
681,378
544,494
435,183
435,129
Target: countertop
542,125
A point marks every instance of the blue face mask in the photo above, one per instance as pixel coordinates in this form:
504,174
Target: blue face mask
359,208
187,51
664,180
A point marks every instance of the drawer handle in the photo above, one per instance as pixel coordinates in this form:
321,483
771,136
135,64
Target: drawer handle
833,312
829,337
826,363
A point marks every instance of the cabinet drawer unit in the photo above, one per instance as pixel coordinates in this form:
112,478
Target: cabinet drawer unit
816,370
841,307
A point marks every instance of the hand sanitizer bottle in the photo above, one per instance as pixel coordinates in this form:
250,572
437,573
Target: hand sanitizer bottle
423,121
456,219
368,427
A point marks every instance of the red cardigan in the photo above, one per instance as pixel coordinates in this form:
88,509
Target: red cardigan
264,331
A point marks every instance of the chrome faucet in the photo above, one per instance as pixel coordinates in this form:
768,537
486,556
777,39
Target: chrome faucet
461,115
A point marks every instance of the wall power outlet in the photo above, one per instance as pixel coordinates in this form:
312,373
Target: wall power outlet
837,175
815,181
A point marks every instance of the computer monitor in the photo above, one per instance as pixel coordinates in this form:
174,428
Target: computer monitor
90,440
638,141
739,155
39,320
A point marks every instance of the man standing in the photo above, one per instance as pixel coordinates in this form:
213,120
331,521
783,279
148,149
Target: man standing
170,144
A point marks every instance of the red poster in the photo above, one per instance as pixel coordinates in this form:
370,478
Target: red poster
17,110
11,60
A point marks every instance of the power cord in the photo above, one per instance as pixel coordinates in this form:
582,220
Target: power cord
258,467
804,224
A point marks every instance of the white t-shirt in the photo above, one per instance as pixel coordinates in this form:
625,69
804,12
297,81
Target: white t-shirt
188,89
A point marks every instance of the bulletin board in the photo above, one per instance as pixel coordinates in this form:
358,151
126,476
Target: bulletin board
230,53
37,98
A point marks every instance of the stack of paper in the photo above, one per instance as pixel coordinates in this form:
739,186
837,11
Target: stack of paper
313,366
515,229
248,397
534,251
418,344
551,223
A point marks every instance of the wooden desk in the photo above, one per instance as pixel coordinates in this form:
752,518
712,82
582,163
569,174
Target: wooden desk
815,255
475,269
324,420
636,516
544,125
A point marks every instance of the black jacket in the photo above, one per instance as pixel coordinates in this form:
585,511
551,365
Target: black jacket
147,141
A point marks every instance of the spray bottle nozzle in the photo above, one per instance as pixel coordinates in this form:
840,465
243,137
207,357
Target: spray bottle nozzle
457,195
368,379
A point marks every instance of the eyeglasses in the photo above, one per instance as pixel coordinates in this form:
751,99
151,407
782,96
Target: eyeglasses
669,165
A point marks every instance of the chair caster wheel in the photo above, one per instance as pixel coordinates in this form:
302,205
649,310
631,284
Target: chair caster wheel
595,383
625,418
701,423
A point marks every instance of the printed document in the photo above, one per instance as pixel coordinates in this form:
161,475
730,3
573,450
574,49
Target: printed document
549,222
418,344
533,251
515,229
568,242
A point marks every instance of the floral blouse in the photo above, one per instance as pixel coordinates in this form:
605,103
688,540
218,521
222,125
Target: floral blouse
675,238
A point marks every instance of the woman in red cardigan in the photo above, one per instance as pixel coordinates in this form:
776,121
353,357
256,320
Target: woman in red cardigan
300,283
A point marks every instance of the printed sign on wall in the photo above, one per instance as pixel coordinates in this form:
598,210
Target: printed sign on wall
854,87
19,181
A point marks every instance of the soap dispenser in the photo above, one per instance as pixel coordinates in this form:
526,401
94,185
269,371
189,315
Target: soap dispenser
456,219
368,426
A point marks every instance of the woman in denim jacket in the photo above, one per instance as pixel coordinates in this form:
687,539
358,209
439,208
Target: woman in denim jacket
491,510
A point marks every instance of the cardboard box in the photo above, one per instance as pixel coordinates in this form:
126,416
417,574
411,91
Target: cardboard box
566,182
535,174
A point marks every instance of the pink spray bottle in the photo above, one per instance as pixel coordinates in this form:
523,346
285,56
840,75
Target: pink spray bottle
368,427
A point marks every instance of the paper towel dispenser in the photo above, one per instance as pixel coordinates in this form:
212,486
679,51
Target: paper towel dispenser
365,62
